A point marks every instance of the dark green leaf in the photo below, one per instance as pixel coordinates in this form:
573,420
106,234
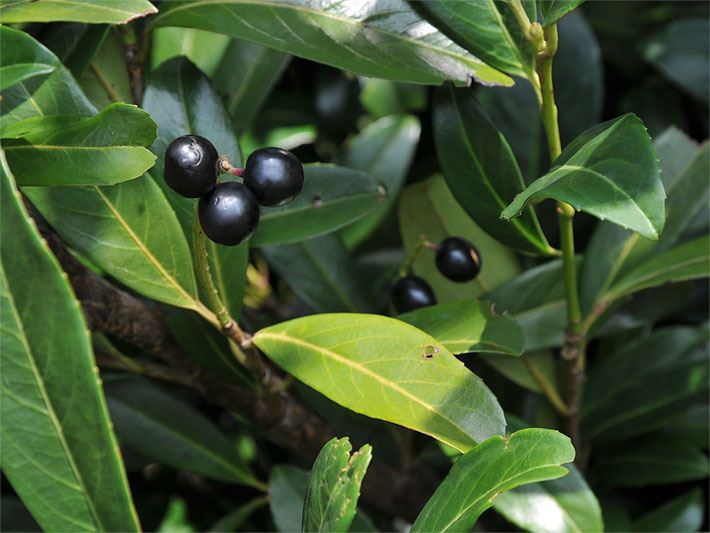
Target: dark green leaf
554,10
106,78
67,471
76,44
322,273
92,11
683,513
384,41
610,171
496,465
358,361
468,326
680,52
169,431
246,75
446,218
287,489
105,149
334,486
203,48
233,520
332,197
481,170
486,28
564,505
385,149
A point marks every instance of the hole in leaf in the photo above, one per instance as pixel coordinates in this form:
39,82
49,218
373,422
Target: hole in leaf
317,201
430,351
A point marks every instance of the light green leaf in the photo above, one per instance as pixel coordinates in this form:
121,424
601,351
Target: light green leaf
385,149
322,273
334,486
496,465
247,75
181,100
12,74
332,197
683,513
468,326
92,11
105,149
563,505
554,10
611,172
67,471
528,370
383,41
486,28
175,519
481,170
167,430
445,218
386,369
203,48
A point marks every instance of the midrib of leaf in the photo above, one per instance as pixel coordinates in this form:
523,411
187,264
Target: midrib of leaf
81,486
383,381
82,5
621,290
326,203
70,147
327,276
506,34
468,58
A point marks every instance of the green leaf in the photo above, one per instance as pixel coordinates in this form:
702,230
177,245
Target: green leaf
385,149
383,97
106,79
180,99
76,44
680,52
554,10
67,471
446,218
496,465
287,489
611,172
175,519
92,11
486,28
332,197
334,486
12,74
564,505
105,149
683,513
233,520
687,261
643,385
247,75
322,273
481,170
358,361
526,370
383,41
468,326
167,430
652,460
203,48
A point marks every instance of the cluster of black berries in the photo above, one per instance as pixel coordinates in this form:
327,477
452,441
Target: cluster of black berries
229,211
456,258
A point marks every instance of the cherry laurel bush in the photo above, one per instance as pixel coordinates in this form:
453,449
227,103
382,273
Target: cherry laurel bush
229,211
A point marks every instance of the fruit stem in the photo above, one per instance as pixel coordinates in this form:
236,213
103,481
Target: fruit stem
225,165
423,242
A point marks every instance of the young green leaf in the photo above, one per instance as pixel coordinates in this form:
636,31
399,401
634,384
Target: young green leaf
486,28
468,326
554,10
481,170
383,41
385,149
611,172
167,430
91,11
67,471
332,197
496,465
105,149
334,486
386,369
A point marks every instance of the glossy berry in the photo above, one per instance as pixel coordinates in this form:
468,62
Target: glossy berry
229,213
458,259
275,176
191,166
411,292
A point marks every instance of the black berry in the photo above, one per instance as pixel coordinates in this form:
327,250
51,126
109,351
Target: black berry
191,166
275,176
229,213
411,292
458,259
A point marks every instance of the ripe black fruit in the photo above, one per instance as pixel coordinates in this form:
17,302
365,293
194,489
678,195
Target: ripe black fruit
411,292
275,176
458,259
191,166
229,213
